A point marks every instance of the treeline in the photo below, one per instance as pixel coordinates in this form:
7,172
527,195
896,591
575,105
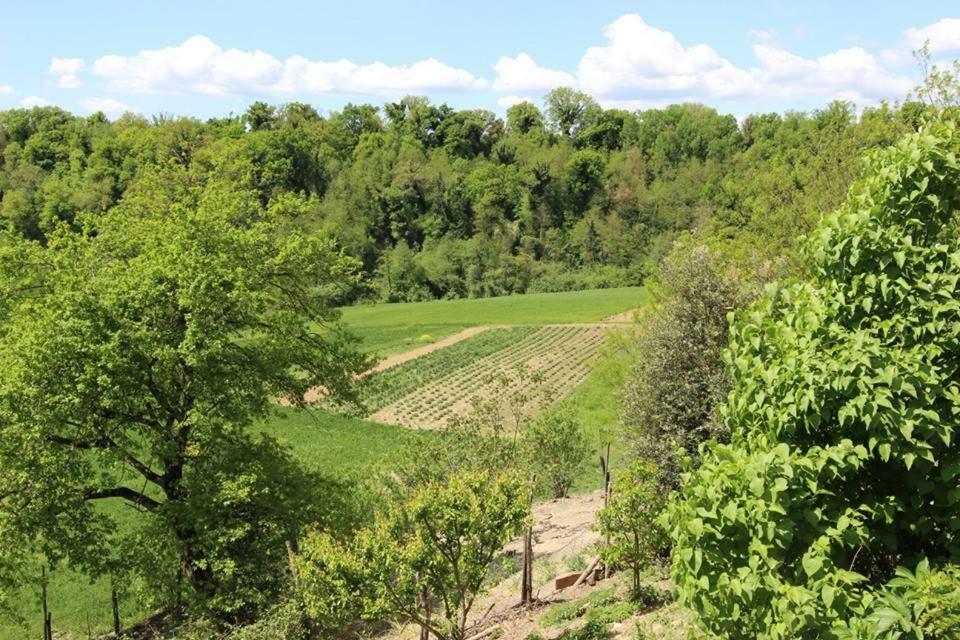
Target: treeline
439,203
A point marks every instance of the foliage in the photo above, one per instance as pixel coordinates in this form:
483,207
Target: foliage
438,545
924,605
442,203
678,376
844,459
557,447
134,354
629,521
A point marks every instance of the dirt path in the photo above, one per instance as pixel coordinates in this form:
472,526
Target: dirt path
406,356
622,318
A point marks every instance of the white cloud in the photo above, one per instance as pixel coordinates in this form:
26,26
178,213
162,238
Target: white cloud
641,64
33,101
523,75
639,58
67,70
505,102
199,65
110,106
5,89
944,36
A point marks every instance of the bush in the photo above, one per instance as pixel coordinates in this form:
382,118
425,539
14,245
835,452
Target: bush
440,543
630,521
844,461
678,378
557,447
921,605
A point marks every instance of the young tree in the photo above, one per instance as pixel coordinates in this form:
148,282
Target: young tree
846,391
134,356
556,447
438,545
629,521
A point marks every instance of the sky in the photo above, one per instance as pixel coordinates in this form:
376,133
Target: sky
211,58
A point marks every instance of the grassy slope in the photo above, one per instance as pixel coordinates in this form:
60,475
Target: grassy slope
340,446
393,328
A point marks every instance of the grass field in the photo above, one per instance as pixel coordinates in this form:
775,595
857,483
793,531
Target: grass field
393,328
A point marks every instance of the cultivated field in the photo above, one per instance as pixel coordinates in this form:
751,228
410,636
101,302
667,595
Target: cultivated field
558,354
388,329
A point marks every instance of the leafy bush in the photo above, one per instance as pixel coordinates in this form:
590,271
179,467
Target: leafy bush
921,605
678,377
557,447
440,544
630,520
844,460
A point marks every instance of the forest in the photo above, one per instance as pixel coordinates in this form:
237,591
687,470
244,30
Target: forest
788,398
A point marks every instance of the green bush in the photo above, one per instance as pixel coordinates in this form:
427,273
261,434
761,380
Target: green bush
678,377
557,447
844,460
629,521
920,605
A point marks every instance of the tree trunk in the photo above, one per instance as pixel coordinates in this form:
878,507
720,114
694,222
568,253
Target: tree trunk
115,604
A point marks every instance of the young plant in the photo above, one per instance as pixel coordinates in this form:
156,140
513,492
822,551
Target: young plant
629,521
557,447
437,546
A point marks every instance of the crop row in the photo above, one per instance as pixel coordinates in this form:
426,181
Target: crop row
559,355
386,387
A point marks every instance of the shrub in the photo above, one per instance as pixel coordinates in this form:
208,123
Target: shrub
678,378
846,391
439,543
557,447
630,521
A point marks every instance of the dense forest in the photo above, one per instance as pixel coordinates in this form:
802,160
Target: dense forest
439,203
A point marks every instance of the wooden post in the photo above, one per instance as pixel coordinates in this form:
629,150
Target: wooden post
115,602
605,468
526,591
526,586
423,603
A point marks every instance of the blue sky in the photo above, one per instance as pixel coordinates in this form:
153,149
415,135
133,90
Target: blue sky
210,58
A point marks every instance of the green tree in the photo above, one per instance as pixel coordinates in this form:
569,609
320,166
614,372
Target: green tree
437,545
134,356
678,376
570,111
629,521
557,447
844,457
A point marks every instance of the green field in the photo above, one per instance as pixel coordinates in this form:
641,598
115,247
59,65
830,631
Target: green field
344,447
393,328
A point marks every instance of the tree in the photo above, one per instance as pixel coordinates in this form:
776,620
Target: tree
570,111
524,117
629,521
844,456
678,376
134,356
437,545
557,447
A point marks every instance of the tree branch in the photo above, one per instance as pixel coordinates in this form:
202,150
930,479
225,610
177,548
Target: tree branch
125,493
